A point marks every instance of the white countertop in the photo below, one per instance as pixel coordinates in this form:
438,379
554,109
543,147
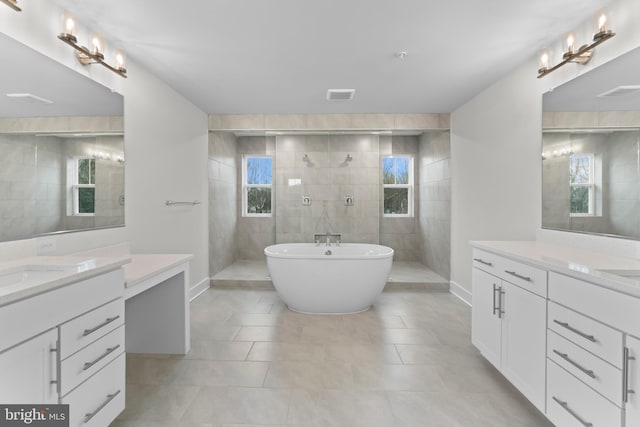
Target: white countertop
579,263
49,273
145,266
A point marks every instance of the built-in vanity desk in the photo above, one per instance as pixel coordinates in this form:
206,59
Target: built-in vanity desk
62,335
563,325
157,303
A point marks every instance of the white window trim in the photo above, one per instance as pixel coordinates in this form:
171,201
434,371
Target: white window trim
408,186
76,187
246,187
591,185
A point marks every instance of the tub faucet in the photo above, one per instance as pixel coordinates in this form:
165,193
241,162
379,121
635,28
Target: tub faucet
328,239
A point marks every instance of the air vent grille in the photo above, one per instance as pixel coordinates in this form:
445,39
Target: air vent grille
340,94
620,91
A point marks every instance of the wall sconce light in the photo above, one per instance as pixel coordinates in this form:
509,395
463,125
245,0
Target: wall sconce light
13,4
93,56
581,55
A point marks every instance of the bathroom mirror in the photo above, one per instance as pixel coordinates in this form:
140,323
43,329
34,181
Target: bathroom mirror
591,151
61,148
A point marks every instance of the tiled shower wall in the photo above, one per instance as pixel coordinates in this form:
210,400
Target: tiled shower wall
401,234
222,200
434,154
327,177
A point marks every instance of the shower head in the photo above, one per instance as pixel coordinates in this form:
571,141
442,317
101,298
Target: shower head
306,158
349,158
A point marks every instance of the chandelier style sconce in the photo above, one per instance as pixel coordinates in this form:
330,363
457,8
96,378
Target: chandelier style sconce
577,56
93,56
13,4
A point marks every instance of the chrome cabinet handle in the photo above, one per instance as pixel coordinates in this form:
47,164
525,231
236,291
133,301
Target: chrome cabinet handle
513,273
101,325
501,292
54,350
566,357
565,406
105,354
481,261
625,375
110,397
575,331
495,307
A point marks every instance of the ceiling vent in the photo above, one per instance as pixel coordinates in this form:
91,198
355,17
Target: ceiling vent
620,91
340,94
30,98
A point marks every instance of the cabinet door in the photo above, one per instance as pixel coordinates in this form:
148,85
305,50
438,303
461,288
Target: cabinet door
28,370
485,320
524,342
632,409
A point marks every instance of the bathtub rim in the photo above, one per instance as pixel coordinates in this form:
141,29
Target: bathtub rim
388,253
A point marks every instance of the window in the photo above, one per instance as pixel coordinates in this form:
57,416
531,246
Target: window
84,186
397,182
256,179
582,184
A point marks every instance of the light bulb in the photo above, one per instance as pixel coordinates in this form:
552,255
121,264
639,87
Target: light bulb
602,21
96,45
69,25
544,60
570,43
119,60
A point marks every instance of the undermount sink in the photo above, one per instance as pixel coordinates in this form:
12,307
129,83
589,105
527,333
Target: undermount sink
632,274
35,274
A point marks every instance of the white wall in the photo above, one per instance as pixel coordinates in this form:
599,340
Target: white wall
166,153
496,150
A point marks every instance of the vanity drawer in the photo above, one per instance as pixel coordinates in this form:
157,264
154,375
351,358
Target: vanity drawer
591,370
87,328
525,276
608,306
101,398
593,336
90,360
487,261
572,403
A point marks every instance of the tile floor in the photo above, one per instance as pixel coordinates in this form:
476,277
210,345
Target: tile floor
406,362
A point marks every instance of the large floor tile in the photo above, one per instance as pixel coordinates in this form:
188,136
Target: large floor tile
220,373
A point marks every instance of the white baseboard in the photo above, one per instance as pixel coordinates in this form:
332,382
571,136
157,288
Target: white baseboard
460,292
199,289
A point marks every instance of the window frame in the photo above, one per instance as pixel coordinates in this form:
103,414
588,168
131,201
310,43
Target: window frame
591,185
246,186
76,186
409,186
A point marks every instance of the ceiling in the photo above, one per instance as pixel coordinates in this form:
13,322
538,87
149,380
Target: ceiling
281,56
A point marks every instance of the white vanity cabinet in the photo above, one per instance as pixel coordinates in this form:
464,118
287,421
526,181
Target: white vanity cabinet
589,343
508,321
66,345
632,360
30,368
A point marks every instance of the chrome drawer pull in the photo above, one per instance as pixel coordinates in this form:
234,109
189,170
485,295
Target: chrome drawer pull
102,325
625,375
565,356
513,273
495,307
575,331
565,405
481,261
106,353
110,397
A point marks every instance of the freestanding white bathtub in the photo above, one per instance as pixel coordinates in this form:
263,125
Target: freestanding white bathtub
329,279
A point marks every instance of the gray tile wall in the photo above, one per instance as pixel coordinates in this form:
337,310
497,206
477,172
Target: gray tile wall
327,178
401,234
434,225
223,183
621,183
